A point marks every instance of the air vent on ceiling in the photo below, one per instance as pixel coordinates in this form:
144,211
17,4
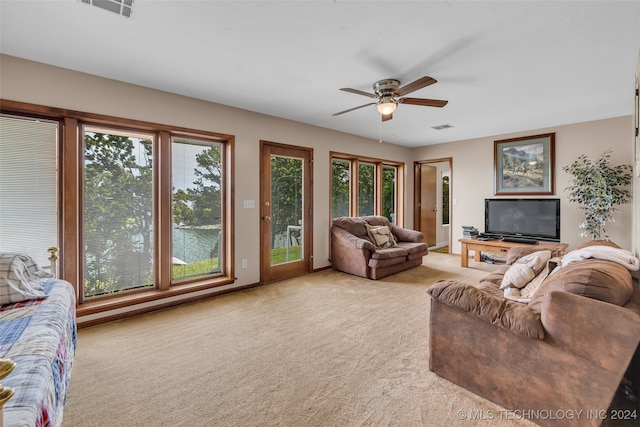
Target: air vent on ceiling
440,127
121,7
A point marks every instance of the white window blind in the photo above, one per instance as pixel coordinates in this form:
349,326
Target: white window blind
28,186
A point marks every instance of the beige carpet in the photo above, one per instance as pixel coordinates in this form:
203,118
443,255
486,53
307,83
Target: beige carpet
326,349
441,250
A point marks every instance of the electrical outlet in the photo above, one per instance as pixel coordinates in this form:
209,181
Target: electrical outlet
244,263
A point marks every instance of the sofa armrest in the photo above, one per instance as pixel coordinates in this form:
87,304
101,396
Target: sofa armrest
504,313
406,235
601,332
349,253
351,240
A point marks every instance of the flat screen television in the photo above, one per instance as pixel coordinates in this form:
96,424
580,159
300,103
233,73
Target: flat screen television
536,219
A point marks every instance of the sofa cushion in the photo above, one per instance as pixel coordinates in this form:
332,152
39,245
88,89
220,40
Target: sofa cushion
494,278
593,278
490,288
406,235
414,248
510,315
388,253
525,269
375,263
354,225
381,236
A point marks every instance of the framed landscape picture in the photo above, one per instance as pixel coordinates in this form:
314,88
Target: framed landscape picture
524,166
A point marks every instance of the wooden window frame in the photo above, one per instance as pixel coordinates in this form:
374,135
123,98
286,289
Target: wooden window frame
71,158
355,160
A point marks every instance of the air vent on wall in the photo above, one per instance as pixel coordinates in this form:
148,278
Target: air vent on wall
121,7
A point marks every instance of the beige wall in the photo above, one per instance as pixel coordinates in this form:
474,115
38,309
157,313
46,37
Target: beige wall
471,176
472,173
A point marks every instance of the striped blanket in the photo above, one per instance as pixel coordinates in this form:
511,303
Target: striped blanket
40,336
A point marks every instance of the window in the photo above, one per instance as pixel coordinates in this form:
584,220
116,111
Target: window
445,199
121,208
340,188
144,211
121,7
375,183
287,198
118,211
366,189
197,208
28,186
389,192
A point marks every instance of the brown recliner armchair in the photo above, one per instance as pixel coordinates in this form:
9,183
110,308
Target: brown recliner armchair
353,249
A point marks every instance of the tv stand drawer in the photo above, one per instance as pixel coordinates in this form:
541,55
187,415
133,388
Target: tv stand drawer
484,247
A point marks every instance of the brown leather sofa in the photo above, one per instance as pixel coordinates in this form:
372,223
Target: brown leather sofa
556,360
353,249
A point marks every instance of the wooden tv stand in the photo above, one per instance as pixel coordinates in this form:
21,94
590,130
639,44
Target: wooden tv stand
498,246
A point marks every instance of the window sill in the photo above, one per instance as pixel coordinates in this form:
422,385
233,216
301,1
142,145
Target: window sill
132,299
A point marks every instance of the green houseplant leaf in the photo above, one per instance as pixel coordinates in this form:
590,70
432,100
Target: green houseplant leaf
598,188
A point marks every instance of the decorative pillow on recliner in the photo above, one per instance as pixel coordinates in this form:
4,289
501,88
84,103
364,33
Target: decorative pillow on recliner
525,269
19,278
381,236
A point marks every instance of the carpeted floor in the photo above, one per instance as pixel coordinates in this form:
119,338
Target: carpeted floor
326,349
441,250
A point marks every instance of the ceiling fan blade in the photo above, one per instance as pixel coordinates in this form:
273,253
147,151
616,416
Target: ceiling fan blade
354,108
413,86
359,92
386,117
424,102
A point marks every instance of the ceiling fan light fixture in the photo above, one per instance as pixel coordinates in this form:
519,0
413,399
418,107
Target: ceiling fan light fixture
388,94
387,106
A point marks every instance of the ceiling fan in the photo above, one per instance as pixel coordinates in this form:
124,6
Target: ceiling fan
390,94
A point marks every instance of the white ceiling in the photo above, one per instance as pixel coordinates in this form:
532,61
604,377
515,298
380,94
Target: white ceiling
504,66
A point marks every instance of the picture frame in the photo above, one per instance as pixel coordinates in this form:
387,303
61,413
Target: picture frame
525,166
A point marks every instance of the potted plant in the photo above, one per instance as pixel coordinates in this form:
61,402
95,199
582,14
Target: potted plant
598,187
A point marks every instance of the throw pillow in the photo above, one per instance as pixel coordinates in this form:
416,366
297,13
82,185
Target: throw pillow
381,236
518,252
525,269
532,287
20,278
